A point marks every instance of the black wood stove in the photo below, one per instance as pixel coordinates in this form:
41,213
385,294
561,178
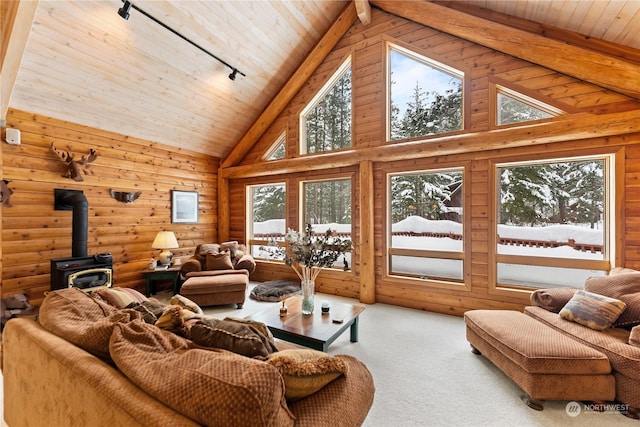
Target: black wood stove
80,270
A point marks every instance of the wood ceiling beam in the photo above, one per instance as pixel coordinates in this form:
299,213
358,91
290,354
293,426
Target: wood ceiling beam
364,11
564,128
293,85
595,67
16,26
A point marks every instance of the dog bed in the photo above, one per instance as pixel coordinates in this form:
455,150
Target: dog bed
275,290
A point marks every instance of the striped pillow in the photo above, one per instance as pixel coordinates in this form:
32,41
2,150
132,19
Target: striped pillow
592,310
119,297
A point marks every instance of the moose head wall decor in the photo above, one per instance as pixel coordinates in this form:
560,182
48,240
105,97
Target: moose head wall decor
76,168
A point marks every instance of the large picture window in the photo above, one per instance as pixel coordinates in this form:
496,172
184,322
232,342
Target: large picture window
327,206
426,230
265,217
554,223
425,96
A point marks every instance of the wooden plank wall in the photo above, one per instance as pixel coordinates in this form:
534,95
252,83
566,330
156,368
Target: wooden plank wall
484,69
33,232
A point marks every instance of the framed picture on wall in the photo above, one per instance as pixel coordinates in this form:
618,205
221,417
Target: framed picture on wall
184,207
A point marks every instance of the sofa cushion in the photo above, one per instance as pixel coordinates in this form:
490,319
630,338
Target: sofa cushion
613,342
621,285
212,387
119,297
82,320
552,299
238,336
306,371
219,261
592,310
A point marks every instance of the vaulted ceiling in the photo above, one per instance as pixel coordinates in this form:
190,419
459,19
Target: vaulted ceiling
81,62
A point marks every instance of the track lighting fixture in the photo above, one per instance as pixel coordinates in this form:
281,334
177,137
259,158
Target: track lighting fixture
124,13
124,10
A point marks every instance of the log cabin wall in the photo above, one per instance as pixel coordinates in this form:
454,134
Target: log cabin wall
477,147
33,232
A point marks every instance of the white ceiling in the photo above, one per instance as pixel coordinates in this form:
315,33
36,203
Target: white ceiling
85,64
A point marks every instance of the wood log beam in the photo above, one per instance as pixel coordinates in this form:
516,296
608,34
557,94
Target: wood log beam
18,24
364,11
365,248
293,85
563,128
611,72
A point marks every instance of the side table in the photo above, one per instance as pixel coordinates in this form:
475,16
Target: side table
153,275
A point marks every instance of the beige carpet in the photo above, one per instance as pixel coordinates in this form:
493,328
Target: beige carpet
426,375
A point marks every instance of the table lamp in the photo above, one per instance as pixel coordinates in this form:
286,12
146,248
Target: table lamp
165,240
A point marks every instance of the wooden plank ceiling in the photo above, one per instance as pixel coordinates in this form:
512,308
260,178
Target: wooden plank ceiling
85,64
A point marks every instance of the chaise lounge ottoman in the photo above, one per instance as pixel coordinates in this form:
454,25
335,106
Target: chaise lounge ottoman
216,287
546,364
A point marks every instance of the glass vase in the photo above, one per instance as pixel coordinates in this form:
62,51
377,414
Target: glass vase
307,296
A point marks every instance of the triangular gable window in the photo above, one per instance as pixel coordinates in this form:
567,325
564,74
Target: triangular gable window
325,123
425,96
278,148
514,107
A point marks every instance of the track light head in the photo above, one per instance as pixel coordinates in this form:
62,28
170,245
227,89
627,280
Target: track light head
233,74
124,10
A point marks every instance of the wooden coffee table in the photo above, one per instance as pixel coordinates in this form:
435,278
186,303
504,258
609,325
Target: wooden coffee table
316,330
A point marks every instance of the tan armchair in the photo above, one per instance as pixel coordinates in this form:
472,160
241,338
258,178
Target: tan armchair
217,274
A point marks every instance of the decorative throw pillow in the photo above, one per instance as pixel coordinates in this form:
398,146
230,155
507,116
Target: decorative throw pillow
592,310
552,299
205,248
306,371
246,262
623,286
119,297
151,310
185,303
173,319
212,387
634,336
219,261
240,337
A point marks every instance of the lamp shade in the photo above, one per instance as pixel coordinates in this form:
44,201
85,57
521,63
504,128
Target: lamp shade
165,240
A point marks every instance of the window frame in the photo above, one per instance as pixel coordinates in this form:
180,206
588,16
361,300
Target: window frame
280,140
613,199
464,255
251,241
319,96
524,99
301,211
429,61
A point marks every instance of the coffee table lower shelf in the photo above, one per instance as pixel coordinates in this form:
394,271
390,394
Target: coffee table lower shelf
317,330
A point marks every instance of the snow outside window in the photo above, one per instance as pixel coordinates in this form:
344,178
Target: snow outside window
327,205
426,225
553,222
266,216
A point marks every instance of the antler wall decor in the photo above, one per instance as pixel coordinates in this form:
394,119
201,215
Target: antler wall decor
5,193
75,167
125,197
